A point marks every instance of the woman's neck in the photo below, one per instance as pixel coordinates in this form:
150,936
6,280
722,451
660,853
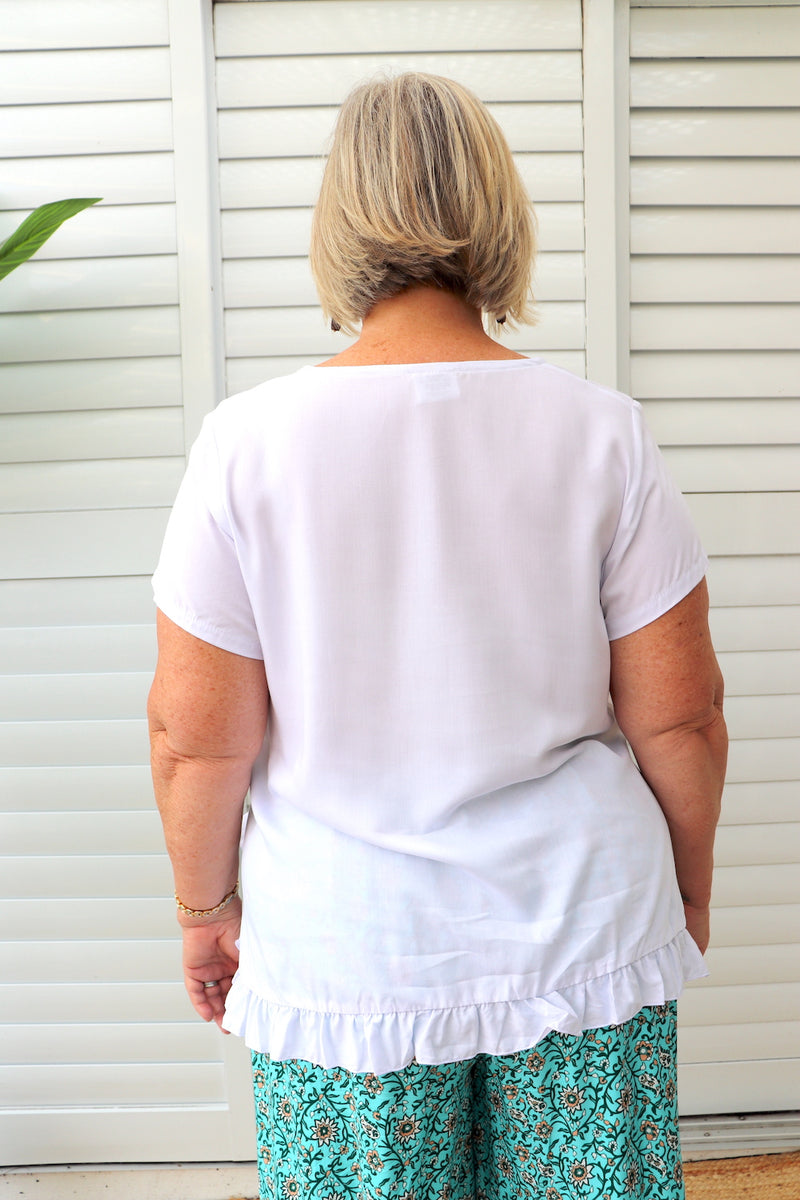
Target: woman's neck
421,324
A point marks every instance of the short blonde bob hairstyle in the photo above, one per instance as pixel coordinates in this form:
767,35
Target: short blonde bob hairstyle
420,188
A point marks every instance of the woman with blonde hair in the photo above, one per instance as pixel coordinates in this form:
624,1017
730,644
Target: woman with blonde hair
396,595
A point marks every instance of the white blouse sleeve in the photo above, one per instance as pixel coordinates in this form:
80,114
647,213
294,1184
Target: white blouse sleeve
656,557
198,583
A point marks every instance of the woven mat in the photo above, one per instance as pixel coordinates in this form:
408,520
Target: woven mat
765,1177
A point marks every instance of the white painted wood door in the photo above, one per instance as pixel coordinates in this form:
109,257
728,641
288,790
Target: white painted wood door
715,333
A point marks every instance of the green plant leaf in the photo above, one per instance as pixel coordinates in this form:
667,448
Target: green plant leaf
36,229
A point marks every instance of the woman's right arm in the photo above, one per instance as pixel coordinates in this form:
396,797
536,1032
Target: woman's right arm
667,692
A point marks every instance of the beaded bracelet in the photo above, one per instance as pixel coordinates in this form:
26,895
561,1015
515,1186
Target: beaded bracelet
208,912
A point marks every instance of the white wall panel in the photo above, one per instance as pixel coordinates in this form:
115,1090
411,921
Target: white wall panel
100,960
134,917
715,239
41,130
77,601
103,1043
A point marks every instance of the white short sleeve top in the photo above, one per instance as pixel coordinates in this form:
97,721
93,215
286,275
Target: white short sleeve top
449,850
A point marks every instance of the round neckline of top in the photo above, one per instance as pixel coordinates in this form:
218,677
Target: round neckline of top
465,364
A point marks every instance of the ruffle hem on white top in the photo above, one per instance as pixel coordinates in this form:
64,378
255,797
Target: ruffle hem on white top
384,1042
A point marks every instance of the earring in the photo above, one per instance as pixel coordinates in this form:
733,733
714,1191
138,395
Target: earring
501,320
335,326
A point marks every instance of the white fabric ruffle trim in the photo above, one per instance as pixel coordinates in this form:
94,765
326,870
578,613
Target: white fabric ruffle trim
383,1042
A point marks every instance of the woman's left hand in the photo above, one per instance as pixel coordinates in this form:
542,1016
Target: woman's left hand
210,956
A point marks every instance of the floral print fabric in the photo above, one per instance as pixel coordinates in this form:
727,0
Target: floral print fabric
587,1117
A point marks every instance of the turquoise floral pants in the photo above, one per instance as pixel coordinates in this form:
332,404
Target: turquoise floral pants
586,1117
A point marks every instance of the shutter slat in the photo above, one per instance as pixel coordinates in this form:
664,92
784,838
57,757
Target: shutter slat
713,83
105,231
754,1086
731,469
698,423
97,1084
705,32
146,178
737,231
83,962
715,326
55,649
756,925
40,130
53,76
120,483
756,181
102,333
691,279
729,1043
763,759
757,802
101,383
730,965
335,26
750,845
519,75
83,283
115,433
31,602
67,919
677,132
79,832
115,695
38,24
765,627
672,375
776,883
734,582
749,523
770,672
704,1004
64,789
54,545
127,1043
45,877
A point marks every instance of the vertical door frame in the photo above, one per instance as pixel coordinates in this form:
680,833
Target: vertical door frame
197,209
606,74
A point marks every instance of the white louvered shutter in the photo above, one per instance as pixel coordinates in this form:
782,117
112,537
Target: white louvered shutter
103,1059
715,331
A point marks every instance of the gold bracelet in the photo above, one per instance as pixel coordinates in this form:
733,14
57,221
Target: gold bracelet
208,912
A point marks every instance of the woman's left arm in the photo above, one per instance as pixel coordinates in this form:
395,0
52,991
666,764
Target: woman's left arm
207,712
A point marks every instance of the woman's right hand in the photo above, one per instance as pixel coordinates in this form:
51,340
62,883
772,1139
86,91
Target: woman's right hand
211,956
698,925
